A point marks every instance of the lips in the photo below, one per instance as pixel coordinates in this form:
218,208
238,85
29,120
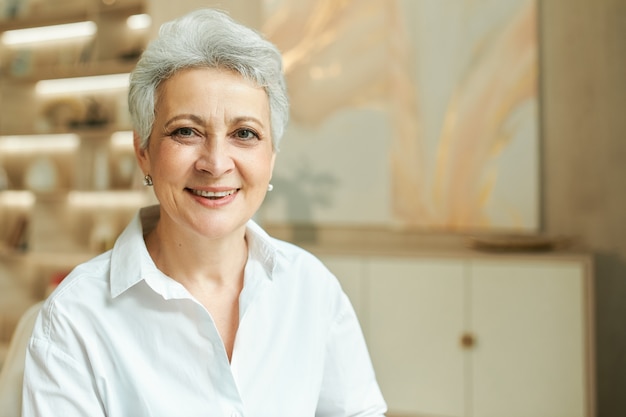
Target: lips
213,195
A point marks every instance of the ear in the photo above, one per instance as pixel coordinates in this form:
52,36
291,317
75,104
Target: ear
143,157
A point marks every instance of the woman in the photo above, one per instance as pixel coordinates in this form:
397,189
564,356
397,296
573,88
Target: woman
196,311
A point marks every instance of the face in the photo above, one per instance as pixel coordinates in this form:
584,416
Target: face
210,152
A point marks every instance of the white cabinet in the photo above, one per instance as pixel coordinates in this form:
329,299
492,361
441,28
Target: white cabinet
476,336
415,319
530,321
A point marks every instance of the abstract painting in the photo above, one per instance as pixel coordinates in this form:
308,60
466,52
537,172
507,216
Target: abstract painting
416,113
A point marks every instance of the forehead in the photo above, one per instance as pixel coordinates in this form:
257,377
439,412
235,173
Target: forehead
205,83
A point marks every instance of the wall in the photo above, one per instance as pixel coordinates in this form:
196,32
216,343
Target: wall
584,138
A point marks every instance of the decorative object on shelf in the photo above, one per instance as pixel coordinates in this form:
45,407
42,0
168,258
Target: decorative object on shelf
55,279
64,112
4,179
131,55
103,234
17,235
101,178
12,8
97,113
41,175
72,112
126,166
22,63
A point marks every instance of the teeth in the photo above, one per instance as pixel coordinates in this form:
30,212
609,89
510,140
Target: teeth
212,194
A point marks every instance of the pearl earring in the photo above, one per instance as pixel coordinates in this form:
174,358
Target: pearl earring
147,180
270,187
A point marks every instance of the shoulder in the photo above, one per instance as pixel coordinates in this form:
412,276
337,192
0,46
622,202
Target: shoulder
85,288
92,273
292,256
302,270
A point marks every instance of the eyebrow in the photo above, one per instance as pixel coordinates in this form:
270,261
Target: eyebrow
192,117
201,121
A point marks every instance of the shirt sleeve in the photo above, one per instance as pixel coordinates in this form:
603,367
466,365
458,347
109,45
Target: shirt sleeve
349,387
55,384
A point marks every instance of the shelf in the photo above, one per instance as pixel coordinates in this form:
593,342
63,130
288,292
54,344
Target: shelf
87,69
58,17
87,133
63,15
18,198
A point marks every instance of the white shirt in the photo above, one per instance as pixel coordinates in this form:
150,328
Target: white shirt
120,338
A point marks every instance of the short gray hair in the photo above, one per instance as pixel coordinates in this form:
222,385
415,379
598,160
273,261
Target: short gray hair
207,38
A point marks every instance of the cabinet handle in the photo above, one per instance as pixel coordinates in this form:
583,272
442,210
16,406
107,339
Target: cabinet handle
467,341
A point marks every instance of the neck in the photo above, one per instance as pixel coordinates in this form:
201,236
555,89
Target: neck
197,261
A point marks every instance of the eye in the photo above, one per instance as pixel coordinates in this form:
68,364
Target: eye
183,132
245,134
186,135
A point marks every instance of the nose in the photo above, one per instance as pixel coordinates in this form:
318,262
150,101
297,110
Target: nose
214,157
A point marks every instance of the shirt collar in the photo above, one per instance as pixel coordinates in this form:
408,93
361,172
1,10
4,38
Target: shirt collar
261,247
131,262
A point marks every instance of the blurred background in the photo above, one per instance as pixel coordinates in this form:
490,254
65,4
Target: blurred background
459,164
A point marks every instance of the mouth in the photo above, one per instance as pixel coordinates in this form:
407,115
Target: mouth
213,195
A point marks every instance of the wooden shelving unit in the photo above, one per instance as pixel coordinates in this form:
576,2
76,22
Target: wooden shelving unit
90,190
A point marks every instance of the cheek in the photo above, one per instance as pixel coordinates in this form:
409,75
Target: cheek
263,169
170,161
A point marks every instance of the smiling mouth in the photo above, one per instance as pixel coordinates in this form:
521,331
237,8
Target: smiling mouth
211,195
